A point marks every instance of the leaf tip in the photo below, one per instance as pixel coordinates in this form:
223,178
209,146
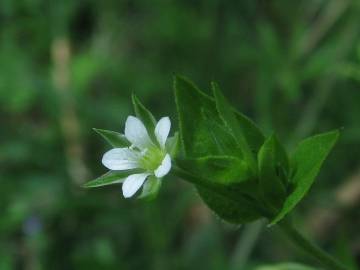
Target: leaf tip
97,130
86,185
134,98
179,79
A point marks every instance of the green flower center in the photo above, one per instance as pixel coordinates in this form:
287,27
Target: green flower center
152,158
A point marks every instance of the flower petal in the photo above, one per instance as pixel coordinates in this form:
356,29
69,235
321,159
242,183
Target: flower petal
136,132
164,168
120,159
133,183
162,130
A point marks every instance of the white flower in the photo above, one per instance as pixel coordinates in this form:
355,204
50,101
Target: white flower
144,154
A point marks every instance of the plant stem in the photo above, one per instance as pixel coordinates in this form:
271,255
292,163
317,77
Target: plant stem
246,244
310,248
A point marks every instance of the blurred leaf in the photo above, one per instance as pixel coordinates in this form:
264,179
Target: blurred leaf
344,250
285,266
85,67
306,161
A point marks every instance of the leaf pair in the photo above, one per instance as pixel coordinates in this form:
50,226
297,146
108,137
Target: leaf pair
254,176
220,146
306,163
199,114
284,183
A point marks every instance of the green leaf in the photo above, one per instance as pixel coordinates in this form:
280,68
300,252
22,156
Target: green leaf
238,210
253,135
113,138
193,107
227,114
197,114
232,203
223,170
220,136
111,177
145,116
191,102
150,189
307,160
172,145
272,159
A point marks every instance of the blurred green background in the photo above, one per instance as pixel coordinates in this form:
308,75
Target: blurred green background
69,66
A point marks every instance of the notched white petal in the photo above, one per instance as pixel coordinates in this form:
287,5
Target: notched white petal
162,130
136,132
133,183
121,159
164,168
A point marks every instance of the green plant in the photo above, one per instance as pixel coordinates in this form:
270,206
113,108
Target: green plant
239,173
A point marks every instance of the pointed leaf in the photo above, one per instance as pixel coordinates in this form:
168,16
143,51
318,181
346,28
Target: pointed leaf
272,158
190,102
253,135
227,114
145,116
111,177
192,105
307,160
115,139
173,145
150,189
225,143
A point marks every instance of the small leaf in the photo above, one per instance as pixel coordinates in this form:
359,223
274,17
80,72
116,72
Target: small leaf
193,106
190,103
173,145
227,114
220,136
272,158
252,133
145,116
111,177
150,189
223,170
115,139
307,160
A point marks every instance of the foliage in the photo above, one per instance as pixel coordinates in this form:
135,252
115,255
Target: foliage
240,177
292,67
